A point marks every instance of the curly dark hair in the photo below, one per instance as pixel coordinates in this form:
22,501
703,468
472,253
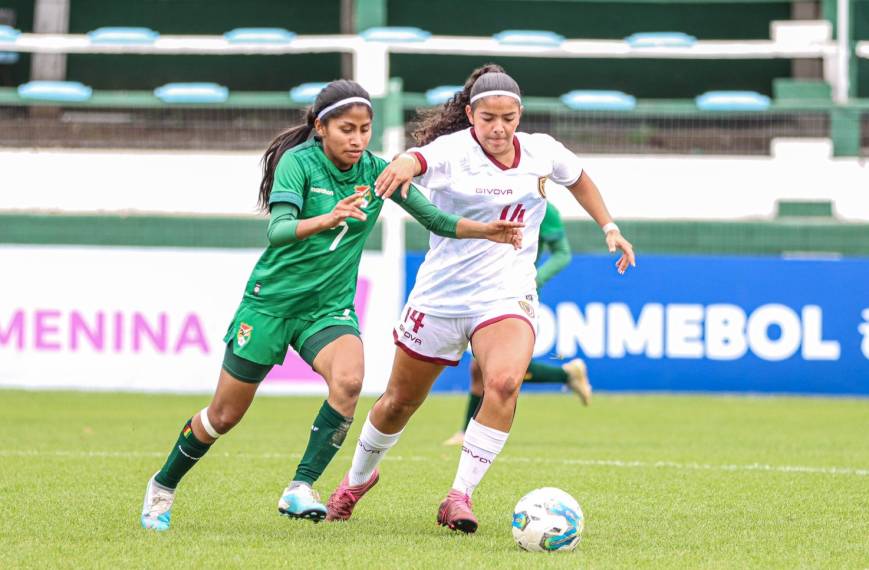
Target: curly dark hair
450,117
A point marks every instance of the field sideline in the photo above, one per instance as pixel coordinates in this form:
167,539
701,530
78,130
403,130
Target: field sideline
665,481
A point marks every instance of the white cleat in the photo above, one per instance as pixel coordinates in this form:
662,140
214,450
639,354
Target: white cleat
301,502
577,379
157,508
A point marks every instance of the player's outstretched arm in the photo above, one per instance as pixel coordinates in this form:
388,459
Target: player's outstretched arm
449,225
285,228
498,231
586,193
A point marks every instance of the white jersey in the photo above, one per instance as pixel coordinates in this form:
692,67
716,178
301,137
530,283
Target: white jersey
466,277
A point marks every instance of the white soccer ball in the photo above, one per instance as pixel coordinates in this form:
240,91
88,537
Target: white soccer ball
547,520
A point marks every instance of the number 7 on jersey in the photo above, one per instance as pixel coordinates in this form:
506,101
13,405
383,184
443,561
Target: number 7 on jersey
344,227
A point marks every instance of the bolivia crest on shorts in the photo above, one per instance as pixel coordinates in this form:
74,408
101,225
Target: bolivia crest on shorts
244,332
365,191
528,308
541,186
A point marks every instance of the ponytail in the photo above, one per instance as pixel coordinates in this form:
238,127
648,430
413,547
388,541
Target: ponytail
291,137
294,136
450,117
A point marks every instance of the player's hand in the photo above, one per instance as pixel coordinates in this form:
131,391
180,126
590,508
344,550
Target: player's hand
347,208
501,231
614,241
398,174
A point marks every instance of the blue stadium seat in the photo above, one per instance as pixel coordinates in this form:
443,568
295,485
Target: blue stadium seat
306,92
60,91
732,101
259,36
395,34
660,39
598,100
441,94
540,38
122,36
192,93
8,33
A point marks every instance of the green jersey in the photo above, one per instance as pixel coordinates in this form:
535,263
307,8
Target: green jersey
551,228
317,276
553,238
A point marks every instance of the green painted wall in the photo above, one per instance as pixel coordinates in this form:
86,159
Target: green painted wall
786,235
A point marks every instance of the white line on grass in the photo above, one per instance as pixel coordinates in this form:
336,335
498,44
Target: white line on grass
505,459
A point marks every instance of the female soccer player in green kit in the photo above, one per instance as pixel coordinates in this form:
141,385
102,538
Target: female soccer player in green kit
320,194
574,373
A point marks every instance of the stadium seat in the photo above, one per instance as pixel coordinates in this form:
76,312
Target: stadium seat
8,33
60,91
732,101
441,94
598,100
306,92
660,39
192,93
540,38
122,36
395,34
259,36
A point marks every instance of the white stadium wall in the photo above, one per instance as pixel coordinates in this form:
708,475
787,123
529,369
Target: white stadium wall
635,187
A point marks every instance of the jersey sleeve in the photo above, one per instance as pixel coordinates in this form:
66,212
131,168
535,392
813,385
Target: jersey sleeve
434,158
566,166
290,181
433,219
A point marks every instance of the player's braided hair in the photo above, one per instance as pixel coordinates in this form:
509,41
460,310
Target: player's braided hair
294,136
451,117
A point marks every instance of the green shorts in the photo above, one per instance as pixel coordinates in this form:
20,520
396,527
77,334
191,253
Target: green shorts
261,339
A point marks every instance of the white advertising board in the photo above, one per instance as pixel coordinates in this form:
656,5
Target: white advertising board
113,318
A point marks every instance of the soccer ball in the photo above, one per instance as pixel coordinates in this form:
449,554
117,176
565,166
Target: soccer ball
547,520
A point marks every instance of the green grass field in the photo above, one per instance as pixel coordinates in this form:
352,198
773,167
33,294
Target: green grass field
665,482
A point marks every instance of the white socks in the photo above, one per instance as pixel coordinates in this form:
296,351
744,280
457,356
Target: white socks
482,445
372,446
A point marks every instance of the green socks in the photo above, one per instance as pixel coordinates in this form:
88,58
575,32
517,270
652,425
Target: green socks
544,373
327,434
473,404
187,451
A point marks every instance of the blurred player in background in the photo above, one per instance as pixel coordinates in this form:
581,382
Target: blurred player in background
319,193
475,163
574,373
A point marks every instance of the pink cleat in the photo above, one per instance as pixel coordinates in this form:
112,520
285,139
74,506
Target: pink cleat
345,497
455,512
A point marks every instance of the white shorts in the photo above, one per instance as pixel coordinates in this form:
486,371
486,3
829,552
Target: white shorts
443,340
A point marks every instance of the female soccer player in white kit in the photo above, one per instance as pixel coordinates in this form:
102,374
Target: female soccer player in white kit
476,165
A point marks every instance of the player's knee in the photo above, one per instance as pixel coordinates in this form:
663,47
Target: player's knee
224,419
396,408
503,386
348,385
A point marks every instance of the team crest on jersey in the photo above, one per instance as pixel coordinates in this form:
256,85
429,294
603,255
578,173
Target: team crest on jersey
541,186
365,191
244,332
529,310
